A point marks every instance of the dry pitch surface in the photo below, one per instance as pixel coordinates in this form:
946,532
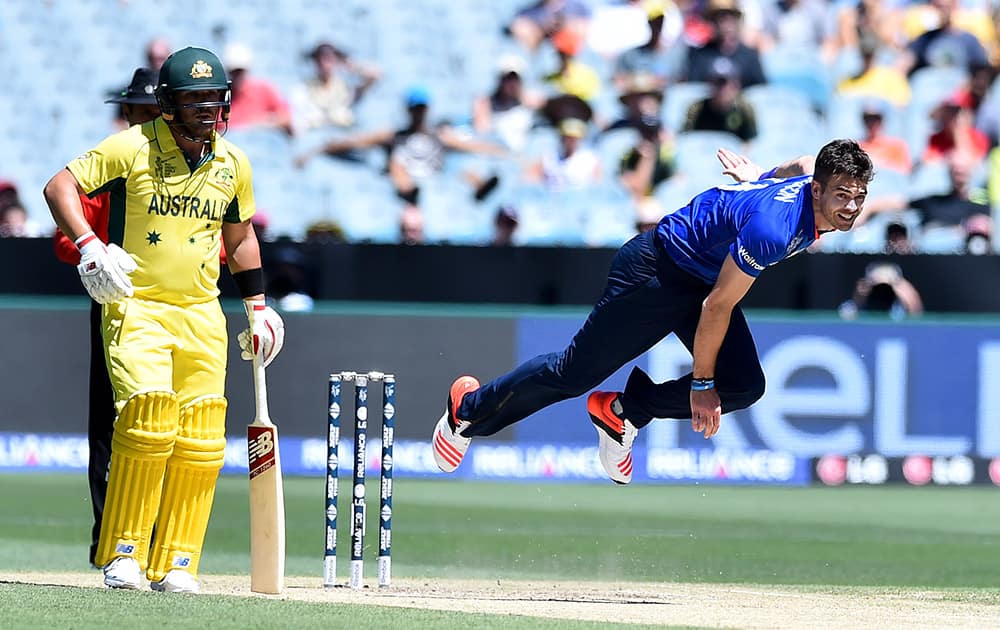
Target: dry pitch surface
706,605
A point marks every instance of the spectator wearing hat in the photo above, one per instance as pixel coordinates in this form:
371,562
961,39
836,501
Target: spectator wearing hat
256,103
725,109
508,113
876,80
573,76
643,100
542,19
328,98
658,58
725,17
956,132
571,166
885,151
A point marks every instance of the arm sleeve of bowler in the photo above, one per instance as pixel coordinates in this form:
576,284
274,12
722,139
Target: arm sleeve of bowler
758,244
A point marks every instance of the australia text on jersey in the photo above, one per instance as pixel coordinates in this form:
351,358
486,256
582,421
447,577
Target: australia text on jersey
187,206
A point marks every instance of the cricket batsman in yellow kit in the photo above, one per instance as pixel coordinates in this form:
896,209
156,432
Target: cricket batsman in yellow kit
174,185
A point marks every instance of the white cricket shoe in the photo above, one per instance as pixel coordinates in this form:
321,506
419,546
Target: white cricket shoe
177,581
122,572
449,444
615,434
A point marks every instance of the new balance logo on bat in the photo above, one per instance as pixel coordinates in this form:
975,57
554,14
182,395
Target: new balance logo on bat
260,449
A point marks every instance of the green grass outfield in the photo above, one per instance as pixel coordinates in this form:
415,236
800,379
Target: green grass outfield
822,537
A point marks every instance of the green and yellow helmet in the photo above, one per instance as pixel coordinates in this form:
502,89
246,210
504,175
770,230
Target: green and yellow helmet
191,69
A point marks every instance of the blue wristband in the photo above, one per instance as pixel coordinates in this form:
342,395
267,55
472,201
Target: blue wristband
702,384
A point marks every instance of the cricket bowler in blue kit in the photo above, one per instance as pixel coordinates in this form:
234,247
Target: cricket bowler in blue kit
686,277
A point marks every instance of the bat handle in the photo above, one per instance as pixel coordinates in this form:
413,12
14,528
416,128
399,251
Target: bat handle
260,391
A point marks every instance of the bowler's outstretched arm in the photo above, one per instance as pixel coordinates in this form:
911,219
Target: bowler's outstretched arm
732,285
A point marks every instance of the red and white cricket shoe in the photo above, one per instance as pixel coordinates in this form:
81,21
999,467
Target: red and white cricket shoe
449,444
615,434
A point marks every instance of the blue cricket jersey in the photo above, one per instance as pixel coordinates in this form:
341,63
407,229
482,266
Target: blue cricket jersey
757,223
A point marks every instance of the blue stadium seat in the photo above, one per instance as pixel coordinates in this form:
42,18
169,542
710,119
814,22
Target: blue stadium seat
451,215
611,147
696,156
781,111
941,240
929,178
800,71
889,182
548,218
453,48
843,118
609,216
674,194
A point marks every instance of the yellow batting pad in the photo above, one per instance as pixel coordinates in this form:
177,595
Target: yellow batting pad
189,487
143,441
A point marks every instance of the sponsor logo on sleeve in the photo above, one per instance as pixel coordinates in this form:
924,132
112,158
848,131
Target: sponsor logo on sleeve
748,259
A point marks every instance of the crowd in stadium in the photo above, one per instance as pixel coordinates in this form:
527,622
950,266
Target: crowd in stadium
603,116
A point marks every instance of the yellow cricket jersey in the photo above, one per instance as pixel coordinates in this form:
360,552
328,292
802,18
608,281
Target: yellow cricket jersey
168,217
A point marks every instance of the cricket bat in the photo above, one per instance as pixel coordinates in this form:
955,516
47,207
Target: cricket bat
267,498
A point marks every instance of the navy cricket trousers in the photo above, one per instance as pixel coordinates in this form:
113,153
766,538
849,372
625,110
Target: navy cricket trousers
100,425
647,297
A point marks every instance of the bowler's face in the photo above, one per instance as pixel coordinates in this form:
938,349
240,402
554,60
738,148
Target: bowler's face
839,202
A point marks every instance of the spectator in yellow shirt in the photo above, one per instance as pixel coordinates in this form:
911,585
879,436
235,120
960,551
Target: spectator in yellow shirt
573,76
876,80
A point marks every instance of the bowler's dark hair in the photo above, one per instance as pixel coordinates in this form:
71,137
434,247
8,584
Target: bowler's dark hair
843,157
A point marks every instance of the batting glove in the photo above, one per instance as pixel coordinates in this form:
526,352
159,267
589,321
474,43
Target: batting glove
266,333
104,269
